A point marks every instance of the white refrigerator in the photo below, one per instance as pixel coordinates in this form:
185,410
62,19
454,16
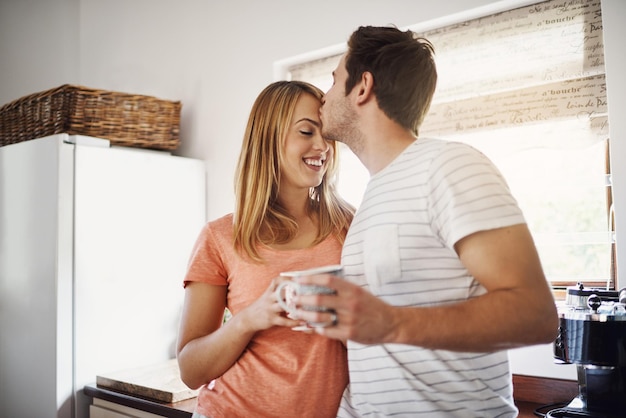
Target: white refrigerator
94,244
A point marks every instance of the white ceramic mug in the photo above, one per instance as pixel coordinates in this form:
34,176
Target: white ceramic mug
285,291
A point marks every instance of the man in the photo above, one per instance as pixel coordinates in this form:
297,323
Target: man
441,272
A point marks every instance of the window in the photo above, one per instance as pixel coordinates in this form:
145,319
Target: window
526,86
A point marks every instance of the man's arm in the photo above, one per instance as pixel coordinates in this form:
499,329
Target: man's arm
517,310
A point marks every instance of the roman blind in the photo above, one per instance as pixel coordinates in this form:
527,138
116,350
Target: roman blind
527,87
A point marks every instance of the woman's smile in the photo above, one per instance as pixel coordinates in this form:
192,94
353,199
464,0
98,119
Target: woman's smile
314,163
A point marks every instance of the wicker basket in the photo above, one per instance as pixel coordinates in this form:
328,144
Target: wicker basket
124,119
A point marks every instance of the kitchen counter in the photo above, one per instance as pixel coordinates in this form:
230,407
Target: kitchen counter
182,409
531,393
527,409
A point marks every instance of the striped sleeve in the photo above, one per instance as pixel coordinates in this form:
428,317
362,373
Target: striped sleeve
468,194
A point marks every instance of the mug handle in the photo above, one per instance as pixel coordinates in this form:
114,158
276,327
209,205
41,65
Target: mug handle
279,295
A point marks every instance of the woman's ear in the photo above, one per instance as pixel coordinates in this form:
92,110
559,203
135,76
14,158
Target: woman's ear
365,87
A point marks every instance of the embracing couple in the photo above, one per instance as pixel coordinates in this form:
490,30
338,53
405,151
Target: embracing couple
440,275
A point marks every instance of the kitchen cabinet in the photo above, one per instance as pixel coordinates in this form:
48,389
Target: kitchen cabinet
107,403
106,409
94,243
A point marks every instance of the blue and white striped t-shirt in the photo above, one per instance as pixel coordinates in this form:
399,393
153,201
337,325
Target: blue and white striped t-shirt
400,247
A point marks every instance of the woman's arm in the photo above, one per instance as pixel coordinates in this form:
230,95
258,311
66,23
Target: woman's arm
206,349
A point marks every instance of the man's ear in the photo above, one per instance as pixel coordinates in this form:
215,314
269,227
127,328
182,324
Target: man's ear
365,88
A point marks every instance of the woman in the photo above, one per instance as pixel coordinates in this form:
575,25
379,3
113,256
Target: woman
288,217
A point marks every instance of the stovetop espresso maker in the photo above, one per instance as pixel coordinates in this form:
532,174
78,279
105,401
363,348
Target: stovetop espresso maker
592,335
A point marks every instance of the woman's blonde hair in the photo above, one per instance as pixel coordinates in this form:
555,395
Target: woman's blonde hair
259,218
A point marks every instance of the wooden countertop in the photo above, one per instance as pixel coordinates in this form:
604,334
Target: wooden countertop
527,409
532,393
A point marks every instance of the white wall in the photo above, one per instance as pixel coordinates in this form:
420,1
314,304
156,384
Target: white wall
216,56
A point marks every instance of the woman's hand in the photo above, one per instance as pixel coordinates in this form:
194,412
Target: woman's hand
265,312
206,347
